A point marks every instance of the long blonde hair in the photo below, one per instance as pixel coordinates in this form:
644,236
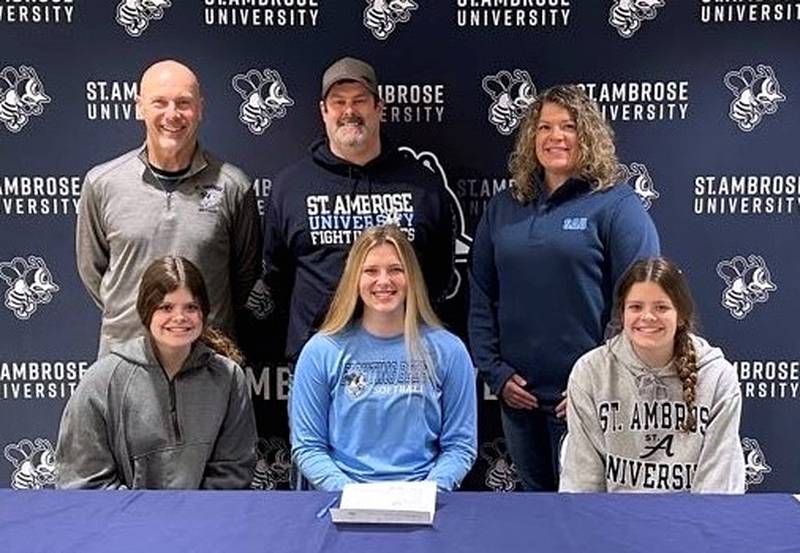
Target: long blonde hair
347,305
597,159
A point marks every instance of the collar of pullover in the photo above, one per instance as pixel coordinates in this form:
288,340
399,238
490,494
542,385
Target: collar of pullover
572,187
140,352
197,164
322,155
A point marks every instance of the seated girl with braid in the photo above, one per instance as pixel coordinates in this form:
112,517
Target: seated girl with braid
655,409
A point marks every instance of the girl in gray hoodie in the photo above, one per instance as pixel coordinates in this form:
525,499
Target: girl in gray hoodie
656,408
170,409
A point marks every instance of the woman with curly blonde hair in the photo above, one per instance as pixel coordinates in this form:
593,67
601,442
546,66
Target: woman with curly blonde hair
382,392
546,257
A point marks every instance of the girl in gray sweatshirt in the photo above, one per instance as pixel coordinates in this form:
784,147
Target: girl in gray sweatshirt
656,408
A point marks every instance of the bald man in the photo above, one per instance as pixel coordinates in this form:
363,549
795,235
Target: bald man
167,197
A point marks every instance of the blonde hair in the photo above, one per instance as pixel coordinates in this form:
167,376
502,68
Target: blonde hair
597,159
347,305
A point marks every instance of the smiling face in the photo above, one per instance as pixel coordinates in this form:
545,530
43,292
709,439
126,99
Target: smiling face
650,321
382,285
177,322
352,118
556,143
170,103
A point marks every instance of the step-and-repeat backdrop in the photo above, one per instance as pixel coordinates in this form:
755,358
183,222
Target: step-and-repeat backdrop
704,96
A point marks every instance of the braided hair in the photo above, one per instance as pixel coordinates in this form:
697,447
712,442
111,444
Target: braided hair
669,277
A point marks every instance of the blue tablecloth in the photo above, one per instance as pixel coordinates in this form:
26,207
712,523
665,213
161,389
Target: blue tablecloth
284,522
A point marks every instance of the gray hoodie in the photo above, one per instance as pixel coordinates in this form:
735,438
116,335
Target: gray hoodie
128,426
625,423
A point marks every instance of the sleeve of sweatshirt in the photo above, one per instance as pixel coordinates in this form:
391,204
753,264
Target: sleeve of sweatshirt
458,441
245,265
484,334
440,269
84,454
720,467
631,235
583,458
91,243
276,262
309,406
233,459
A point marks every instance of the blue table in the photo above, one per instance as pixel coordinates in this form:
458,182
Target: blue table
284,522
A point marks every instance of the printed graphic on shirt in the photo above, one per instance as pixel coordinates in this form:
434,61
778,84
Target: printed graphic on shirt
658,422
574,223
463,241
638,177
340,218
627,15
22,96
34,464
381,17
755,464
383,378
135,15
747,282
512,93
30,284
264,96
501,476
756,93
273,464
210,197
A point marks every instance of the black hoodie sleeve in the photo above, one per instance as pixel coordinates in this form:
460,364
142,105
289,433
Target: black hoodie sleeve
442,247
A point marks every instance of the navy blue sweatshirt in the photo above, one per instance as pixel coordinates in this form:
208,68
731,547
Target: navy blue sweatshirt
543,279
319,205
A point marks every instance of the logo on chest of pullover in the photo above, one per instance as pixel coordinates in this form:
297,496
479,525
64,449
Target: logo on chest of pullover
574,223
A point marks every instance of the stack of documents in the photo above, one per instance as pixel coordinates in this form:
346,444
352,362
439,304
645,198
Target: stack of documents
387,503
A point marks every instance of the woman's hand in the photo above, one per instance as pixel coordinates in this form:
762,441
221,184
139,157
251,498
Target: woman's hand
516,396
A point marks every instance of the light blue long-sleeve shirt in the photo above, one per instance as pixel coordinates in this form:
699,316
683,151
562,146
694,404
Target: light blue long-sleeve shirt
360,412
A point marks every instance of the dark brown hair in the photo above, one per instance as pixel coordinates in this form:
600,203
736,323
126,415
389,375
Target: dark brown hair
669,277
165,275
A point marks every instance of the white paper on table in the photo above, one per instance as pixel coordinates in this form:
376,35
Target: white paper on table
797,497
387,503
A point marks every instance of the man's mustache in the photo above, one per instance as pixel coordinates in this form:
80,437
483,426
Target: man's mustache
353,119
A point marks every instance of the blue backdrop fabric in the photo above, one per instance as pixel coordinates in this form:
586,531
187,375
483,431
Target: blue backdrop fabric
704,97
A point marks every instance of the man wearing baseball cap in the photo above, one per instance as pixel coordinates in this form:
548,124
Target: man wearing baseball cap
352,178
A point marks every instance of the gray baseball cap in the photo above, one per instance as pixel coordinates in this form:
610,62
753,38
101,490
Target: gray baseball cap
350,69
